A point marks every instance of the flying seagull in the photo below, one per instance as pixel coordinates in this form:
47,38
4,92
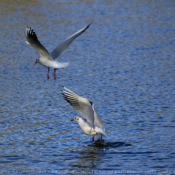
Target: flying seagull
47,59
94,125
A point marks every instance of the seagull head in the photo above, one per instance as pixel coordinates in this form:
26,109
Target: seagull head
76,119
37,61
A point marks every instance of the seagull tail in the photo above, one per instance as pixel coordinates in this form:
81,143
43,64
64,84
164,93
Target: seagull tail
62,64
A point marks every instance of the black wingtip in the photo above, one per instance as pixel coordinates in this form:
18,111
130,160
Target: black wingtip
31,33
89,24
64,96
91,103
66,99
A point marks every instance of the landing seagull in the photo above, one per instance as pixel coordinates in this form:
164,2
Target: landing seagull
49,59
94,125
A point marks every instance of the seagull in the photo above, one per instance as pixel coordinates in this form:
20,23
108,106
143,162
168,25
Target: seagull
47,59
94,125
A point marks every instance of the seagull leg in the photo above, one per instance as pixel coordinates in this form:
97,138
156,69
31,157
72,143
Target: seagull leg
94,136
55,74
48,76
102,139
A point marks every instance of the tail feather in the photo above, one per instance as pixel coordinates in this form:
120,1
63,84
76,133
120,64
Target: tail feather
62,64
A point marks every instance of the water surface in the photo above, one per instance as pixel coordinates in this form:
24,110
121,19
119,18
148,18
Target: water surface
124,63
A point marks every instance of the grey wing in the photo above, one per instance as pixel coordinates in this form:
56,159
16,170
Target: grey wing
97,120
31,39
81,104
65,44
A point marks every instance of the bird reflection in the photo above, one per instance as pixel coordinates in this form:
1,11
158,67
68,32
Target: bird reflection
88,159
92,156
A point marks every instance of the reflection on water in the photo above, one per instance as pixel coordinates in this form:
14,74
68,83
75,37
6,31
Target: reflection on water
91,155
124,63
87,159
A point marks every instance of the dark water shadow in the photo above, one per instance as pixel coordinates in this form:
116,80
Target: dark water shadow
106,144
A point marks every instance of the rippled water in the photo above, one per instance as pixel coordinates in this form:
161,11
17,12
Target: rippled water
124,63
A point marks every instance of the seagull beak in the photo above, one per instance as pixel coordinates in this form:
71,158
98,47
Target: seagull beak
72,119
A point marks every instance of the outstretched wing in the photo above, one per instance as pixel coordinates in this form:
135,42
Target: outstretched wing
31,39
81,104
65,44
97,120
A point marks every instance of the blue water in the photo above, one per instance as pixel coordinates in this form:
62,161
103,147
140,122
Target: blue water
124,63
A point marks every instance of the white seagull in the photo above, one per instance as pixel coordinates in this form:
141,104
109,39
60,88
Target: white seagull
49,59
94,125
